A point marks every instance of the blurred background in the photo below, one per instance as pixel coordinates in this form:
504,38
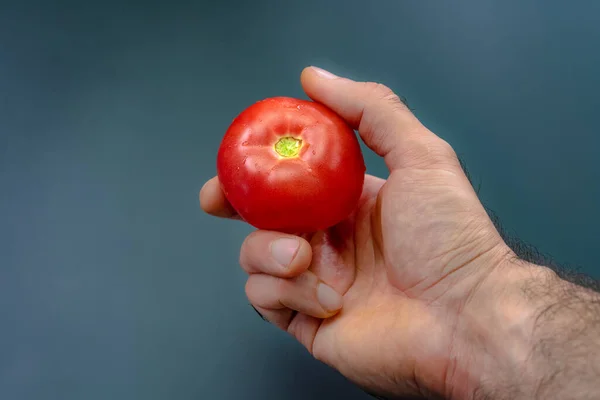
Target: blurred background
114,285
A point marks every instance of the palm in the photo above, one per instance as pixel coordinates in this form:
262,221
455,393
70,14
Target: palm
391,275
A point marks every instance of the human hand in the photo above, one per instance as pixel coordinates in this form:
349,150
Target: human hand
394,296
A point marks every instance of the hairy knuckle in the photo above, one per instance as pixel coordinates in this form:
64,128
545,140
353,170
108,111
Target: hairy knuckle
392,99
371,87
380,91
383,91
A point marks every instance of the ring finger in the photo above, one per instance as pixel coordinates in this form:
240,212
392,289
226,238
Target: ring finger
276,298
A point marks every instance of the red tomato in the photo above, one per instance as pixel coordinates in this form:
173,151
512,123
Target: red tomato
291,165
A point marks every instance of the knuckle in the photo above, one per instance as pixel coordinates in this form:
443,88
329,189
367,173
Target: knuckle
421,152
381,92
379,89
253,239
248,290
320,353
242,260
445,150
243,257
281,288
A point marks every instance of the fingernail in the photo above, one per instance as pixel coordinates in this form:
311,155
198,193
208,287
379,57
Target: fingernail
324,74
284,250
329,299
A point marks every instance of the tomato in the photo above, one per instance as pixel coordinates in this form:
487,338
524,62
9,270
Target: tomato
291,165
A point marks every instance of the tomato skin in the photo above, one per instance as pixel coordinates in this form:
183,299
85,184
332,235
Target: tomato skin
314,190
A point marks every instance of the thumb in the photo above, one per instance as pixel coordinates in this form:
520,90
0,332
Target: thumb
383,121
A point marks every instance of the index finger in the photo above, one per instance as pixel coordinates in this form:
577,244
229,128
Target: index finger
383,121
213,201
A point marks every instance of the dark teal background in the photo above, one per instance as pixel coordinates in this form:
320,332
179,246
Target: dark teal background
113,284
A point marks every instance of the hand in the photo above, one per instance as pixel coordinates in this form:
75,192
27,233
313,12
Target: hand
385,296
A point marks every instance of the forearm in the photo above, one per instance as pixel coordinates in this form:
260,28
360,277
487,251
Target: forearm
565,357
527,334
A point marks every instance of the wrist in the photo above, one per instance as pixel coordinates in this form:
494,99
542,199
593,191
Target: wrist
494,337
515,332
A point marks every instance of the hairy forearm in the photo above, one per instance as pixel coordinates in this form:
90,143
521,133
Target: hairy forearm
546,329
565,338
539,338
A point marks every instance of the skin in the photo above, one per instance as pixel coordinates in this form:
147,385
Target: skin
416,294
291,165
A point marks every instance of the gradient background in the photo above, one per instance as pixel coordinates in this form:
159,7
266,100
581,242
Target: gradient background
113,284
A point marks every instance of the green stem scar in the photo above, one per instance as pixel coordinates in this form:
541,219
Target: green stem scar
288,146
